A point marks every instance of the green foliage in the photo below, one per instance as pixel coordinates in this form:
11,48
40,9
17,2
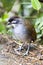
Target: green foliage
4,17
39,26
2,28
36,4
7,4
2,21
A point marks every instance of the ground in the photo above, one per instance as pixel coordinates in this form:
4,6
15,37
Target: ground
8,54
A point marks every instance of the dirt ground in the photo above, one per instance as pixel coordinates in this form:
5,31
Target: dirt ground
9,55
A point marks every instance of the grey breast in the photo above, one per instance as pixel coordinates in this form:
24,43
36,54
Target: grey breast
20,32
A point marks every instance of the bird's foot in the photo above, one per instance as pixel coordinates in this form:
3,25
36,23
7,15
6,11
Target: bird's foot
30,47
20,48
27,52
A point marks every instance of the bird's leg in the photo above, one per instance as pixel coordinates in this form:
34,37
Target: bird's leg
27,51
30,47
24,45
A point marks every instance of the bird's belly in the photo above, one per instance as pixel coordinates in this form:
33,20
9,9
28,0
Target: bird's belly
20,33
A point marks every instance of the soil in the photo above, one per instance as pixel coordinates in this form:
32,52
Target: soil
9,55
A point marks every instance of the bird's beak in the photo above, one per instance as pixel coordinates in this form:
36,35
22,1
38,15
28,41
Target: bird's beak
10,25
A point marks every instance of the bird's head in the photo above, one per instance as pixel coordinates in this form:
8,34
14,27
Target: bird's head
14,21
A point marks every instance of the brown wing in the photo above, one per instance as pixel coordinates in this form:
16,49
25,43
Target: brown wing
30,29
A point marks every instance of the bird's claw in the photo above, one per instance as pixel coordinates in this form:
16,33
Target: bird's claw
20,48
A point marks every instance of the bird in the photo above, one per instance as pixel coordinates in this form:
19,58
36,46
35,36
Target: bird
23,30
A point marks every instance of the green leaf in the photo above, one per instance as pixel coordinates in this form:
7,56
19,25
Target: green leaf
36,4
5,16
2,28
0,19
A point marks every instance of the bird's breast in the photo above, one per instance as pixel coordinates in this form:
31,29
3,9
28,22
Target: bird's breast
20,32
